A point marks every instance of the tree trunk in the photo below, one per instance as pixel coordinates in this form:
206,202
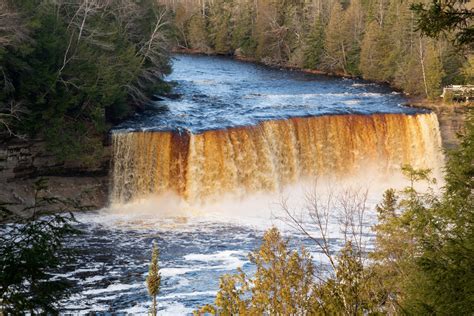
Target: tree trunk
422,61
153,310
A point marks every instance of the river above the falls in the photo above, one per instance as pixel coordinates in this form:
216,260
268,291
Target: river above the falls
217,92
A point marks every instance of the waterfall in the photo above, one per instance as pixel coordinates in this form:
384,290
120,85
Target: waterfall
268,156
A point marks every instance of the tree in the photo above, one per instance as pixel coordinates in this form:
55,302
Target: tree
434,72
198,37
350,285
220,28
354,27
468,69
243,18
31,248
445,281
423,241
282,284
336,45
373,53
314,45
153,280
86,64
440,17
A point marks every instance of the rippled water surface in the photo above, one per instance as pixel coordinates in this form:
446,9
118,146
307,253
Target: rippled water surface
214,93
114,250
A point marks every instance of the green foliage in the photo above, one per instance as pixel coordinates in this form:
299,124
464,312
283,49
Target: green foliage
446,16
336,41
242,37
30,249
286,283
445,283
282,284
468,69
350,291
220,27
424,243
198,37
434,72
373,52
314,46
82,67
153,280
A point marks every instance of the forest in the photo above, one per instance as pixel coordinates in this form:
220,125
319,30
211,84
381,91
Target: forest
377,40
72,69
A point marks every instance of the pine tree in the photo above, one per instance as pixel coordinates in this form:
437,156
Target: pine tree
402,223
349,291
32,249
444,280
372,53
153,280
244,23
468,69
314,45
336,50
353,28
282,284
220,27
434,71
198,34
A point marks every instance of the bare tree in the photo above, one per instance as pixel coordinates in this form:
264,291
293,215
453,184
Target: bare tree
12,32
347,276
346,207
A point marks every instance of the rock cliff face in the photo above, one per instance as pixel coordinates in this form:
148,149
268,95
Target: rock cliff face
23,162
451,122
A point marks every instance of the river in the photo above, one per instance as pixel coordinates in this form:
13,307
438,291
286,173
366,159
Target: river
203,173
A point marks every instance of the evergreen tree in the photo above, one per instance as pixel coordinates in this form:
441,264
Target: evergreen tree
153,280
84,66
434,71
444,279
446,16
220,28
336,50
373,53
244,24
198,36
314,45
468,69
376,39
282,284
353,28
30,252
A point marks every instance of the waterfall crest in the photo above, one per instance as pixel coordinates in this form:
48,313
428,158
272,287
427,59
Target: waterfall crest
268,156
